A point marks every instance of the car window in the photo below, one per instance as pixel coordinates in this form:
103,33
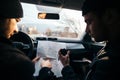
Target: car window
70,25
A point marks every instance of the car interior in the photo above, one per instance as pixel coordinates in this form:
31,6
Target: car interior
55,24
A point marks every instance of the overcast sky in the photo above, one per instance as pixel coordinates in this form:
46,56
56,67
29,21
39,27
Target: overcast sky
31,11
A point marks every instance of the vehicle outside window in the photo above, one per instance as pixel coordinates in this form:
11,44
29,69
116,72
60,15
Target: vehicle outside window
70,25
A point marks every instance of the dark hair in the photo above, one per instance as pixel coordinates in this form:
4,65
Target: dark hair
99,6
10,9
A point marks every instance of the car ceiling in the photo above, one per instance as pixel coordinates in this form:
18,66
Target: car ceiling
69,4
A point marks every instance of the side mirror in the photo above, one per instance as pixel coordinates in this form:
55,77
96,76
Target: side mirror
48,16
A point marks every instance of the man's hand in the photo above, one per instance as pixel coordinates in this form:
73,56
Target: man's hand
64,58
46,63
36,59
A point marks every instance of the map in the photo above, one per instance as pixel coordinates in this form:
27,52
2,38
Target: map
49,49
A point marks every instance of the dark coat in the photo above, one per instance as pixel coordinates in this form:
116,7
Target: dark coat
104,67
14,65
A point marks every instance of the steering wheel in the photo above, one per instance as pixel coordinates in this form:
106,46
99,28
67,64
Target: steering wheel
23,42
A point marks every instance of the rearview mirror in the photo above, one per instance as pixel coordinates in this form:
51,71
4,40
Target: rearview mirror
48,16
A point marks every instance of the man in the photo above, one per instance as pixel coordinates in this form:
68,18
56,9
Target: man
103,24
14,65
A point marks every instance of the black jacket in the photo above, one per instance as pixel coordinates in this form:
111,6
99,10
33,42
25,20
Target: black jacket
14,65
104,67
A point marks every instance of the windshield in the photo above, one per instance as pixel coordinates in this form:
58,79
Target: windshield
70,25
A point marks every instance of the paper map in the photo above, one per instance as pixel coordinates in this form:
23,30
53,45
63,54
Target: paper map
50,49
